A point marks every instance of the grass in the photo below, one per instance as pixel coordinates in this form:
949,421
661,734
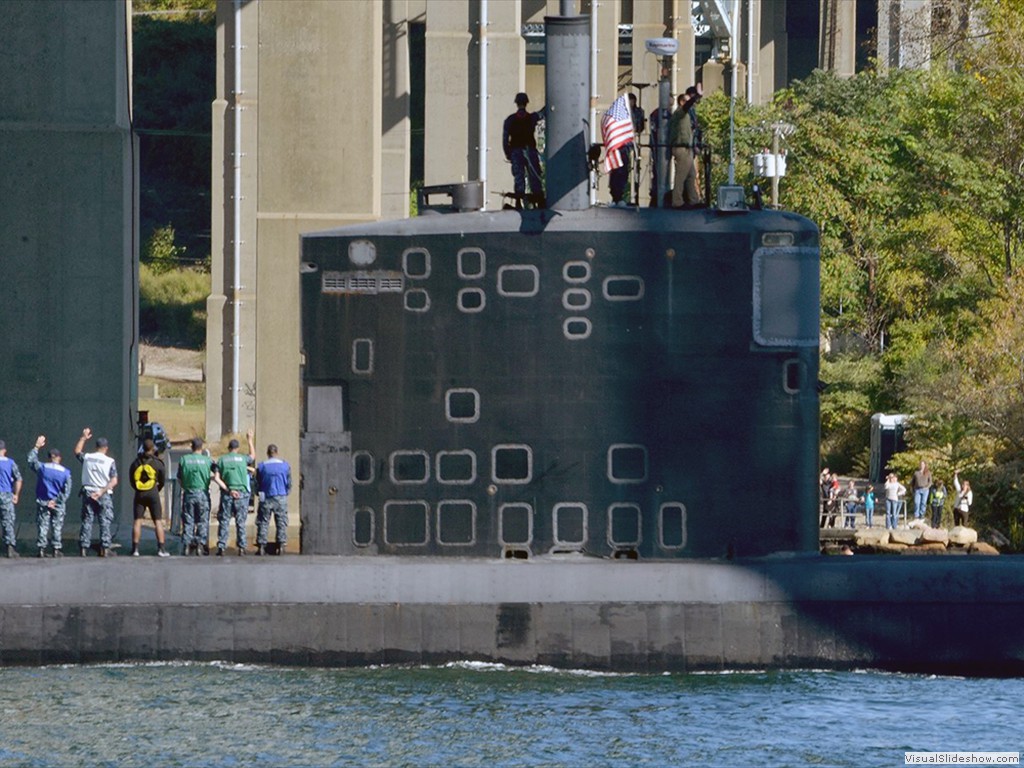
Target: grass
172,306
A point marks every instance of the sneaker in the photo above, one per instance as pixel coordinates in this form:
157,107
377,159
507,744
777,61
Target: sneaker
260,550
162,552
11,551
135,552
42,553
58,553
220,551
241,551
108,553
83,551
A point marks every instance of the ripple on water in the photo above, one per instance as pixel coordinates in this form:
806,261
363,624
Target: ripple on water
480,714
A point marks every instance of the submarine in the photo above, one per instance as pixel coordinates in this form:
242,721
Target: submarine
613,382
578,436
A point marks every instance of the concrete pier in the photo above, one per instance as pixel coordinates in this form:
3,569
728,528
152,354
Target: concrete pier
946,615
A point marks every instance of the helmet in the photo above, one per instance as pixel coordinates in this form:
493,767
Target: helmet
522,99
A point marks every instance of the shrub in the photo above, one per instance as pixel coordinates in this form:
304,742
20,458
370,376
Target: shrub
172,306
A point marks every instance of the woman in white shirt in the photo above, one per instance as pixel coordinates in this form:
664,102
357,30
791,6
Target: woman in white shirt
894,491
964,499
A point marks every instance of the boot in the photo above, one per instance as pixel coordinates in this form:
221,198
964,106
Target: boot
220,551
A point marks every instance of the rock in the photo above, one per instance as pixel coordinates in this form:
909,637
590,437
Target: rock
890,549
982,548
928,548
871,537
995,538
905,536
935,535
963,536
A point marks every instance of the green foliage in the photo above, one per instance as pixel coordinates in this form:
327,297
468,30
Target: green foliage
851,384
916,181
149,6
160,253
172,306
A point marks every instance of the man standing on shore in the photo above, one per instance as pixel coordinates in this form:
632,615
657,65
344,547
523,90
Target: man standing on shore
922,487
53,487
233,470
196,471
274,481
10,490
99,478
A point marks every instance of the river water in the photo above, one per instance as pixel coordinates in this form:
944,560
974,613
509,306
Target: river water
472,714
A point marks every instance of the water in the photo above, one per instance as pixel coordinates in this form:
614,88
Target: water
475,714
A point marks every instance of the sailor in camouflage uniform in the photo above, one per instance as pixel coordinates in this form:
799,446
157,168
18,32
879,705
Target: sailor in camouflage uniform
53,486
274,481
10,489
99,478
233,471
196,471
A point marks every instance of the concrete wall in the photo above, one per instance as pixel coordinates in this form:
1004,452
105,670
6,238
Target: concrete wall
312,127
904,33
838,37
67,233
835,613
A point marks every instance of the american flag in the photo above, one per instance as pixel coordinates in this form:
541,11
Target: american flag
616,132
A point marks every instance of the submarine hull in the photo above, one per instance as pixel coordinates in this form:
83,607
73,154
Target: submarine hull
920,614
619,383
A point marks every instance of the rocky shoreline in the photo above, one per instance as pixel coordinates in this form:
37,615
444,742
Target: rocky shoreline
916,538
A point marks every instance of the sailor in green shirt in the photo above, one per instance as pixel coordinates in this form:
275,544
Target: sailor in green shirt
196,471
233,472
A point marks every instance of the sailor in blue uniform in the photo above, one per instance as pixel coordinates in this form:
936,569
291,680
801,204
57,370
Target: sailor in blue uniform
520,147
53,486
10,489
274,481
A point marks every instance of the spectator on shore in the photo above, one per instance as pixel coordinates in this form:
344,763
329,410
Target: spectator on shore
869,507
922,482
938,503
894,493
852,499
964,499
830,510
